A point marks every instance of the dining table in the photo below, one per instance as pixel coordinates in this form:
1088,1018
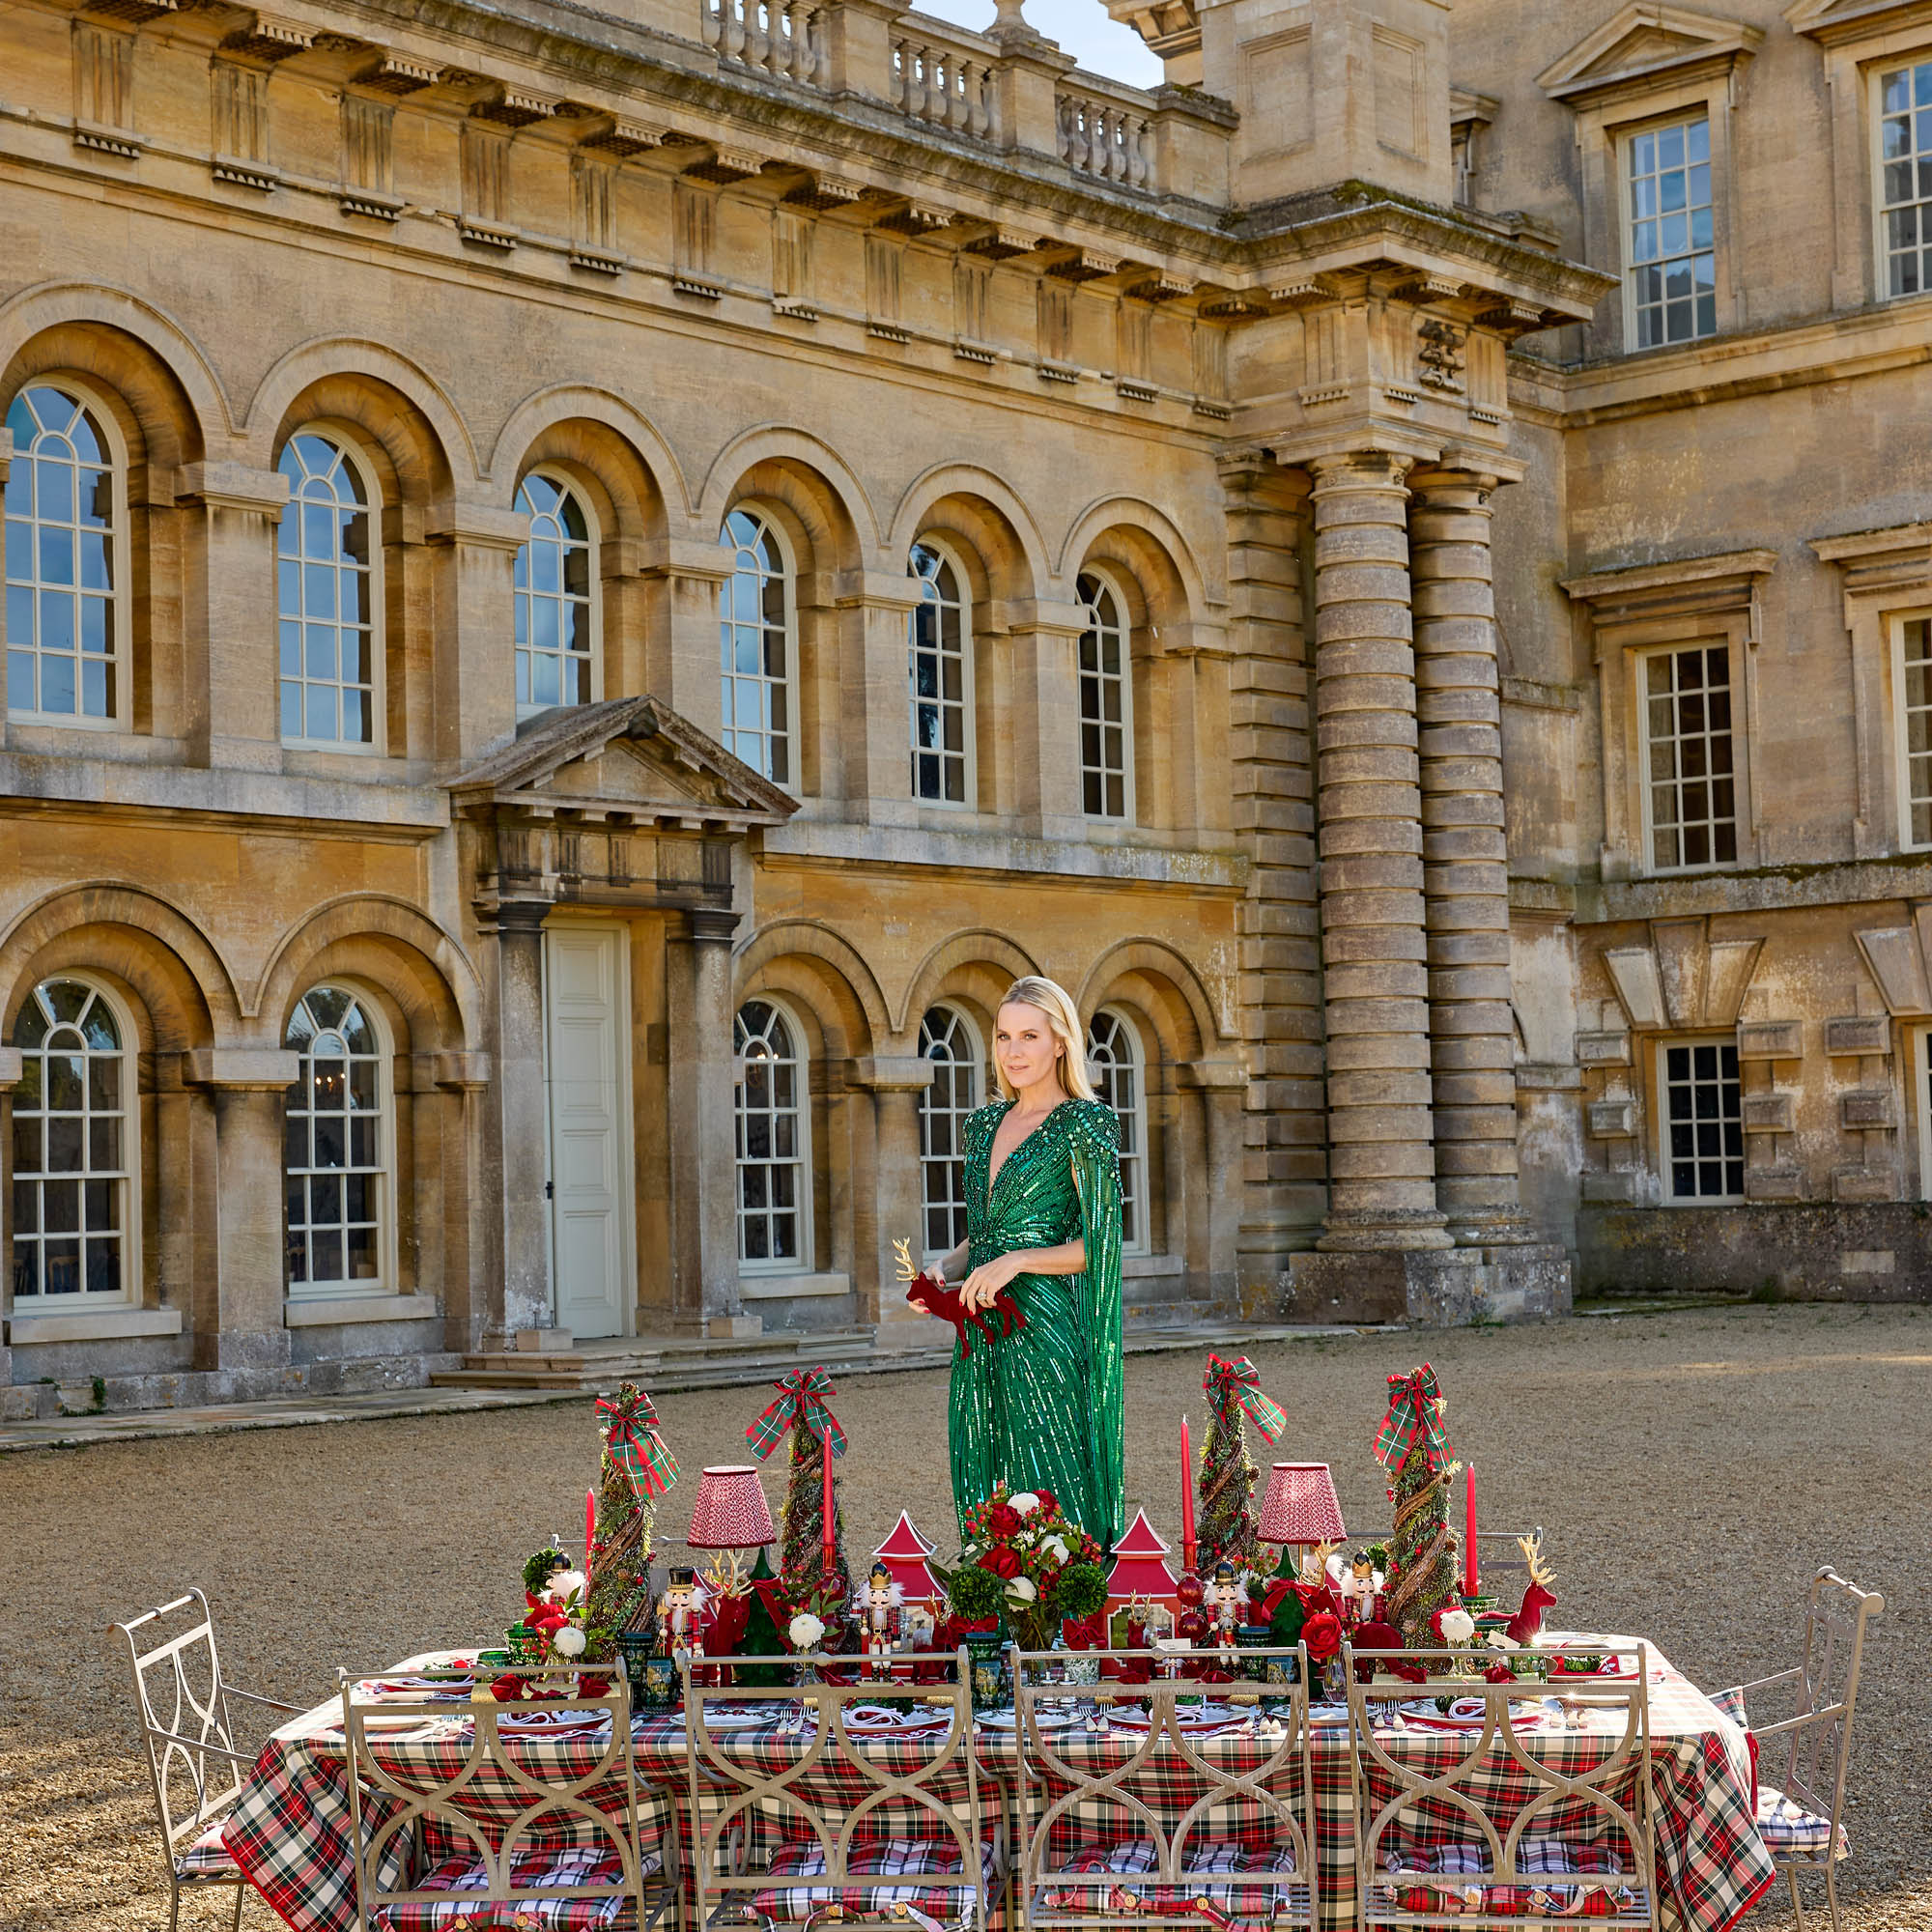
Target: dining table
289,1832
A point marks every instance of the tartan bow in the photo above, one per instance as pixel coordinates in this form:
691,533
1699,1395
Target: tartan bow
1228,1384
800,1403
630,1434
1414,1414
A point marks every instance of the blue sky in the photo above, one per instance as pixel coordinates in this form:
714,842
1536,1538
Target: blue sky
1081,27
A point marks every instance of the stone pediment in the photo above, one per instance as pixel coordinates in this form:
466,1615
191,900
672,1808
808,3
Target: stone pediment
1833,22
630,756
1645,45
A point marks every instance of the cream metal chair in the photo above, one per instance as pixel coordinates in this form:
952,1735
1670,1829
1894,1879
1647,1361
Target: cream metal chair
470,1818
1803,1759
1095,1849
1566,1835
856,1825
190,1734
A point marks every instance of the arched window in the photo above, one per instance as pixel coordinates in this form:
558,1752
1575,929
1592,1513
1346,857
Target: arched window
771,1123
949,1040
556,602
1106,703
327,592
1116,1067
755,637
73,1146
335,1154
64,653
939,651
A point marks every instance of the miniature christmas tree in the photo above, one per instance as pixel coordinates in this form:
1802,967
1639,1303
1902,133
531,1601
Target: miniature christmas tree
808,1581
1226,1485
761,1636
1412,1444
636,1469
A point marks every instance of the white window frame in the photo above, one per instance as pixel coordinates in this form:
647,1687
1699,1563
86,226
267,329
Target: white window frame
377,746
1626,141
728,678
1875,79
120,601
1133,1119
1641,666
961,1022
967,669
1661,1087
594,592
801,1263
386,1280
1123,610
1919,1066
1895,623
129,1178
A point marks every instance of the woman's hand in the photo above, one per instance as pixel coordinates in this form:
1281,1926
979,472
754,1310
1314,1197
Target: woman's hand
980,1288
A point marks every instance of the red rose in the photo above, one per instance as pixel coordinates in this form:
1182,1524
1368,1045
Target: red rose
1322,1635
1003,1520
1000,1562
1047,1499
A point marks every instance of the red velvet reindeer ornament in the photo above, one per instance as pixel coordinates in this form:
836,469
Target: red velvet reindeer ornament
1526,1626
927,1292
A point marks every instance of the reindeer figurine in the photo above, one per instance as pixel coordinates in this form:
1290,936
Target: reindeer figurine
924,1291
1526,1626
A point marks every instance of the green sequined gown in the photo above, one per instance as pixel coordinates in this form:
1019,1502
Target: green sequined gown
1043,1407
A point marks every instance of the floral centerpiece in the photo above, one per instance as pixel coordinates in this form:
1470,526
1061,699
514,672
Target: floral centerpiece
1022,1556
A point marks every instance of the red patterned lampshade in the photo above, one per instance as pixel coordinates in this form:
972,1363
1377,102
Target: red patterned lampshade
731,1512
1300,1505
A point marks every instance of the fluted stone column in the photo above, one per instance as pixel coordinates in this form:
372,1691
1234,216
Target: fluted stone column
1381,1190
1465,857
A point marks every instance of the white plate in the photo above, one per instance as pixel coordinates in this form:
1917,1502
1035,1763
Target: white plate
1328,1713
1006,1721
536,1722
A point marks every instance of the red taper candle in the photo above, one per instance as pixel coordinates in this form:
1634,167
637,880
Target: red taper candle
1471,1572
589,1531
831,1520
1186,1502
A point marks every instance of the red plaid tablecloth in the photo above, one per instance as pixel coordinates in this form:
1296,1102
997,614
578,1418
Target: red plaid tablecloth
290,1831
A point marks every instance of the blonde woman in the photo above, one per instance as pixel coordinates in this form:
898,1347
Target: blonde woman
1041,1410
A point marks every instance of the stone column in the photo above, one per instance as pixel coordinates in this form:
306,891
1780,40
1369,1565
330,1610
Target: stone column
251,1341
703,1157
521,1119
896,1081
1381,1189
1465,858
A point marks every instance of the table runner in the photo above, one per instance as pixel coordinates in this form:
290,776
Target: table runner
289,1832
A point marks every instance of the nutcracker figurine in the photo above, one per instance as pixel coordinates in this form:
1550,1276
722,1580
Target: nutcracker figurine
1227,1598
679,1612
881,1615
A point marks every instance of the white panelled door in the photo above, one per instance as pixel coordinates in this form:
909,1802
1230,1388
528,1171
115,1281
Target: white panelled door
588,1012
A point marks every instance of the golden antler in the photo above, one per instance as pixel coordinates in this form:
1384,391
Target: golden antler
902,1250
1319,1558
727,1575
1532,1554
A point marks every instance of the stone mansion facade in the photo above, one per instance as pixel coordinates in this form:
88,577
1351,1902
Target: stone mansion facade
585,586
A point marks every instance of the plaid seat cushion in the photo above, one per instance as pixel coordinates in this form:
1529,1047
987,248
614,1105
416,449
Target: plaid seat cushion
1731,1703
529,1871
1222,1872
939,1889
205,1861
1789,1830
1442,1878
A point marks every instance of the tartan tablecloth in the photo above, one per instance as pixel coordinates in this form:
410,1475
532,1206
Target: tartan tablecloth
289,1832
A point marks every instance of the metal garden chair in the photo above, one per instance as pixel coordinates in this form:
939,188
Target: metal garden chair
190,1734
836,1808
1801,1815
1504,1833
491,1809
1181,1826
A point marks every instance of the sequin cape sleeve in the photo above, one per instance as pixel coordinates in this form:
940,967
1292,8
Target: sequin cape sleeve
1093,1146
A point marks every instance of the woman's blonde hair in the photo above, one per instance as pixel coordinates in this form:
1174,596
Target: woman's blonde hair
1063,1019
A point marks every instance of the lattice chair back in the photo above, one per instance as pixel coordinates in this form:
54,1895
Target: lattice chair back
1509,1816
858,1800
1209,1814
457,1809
1809,1762
186,1726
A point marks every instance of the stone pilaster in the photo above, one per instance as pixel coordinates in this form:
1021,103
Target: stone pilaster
896,1081
1284,1125
704,1293
522,1119
1465,857
473,672
1381,1188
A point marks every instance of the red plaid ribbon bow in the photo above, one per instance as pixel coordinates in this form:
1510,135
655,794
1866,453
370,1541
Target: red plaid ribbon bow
1228,1384
629,1426
1414,1414
800,1404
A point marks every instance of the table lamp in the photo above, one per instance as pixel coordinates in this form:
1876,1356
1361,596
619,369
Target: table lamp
1301,1508
731,1512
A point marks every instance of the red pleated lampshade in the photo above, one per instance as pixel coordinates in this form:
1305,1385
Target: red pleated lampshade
1300,1505
731,1512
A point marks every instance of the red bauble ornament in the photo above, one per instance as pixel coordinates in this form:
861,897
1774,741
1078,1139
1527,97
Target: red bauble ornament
1189,1591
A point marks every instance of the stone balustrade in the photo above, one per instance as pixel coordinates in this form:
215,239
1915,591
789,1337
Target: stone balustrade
946,76
778,36
1107,132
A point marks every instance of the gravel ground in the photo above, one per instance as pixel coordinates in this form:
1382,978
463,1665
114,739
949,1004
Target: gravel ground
1692,1470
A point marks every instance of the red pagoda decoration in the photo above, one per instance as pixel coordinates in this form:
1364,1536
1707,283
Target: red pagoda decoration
904,1553
1140,1567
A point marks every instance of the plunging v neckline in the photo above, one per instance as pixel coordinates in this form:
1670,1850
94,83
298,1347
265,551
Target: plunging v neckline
994,1173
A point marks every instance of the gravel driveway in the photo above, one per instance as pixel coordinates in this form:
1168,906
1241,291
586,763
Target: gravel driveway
1692,1470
